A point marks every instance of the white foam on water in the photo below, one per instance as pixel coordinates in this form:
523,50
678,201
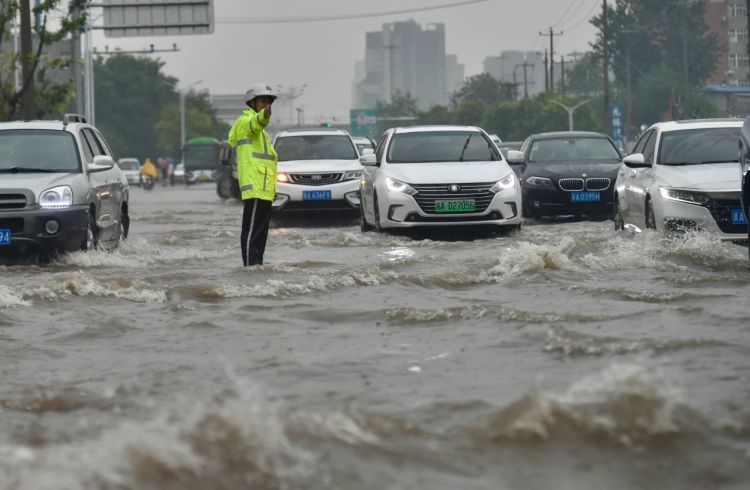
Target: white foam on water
10,298
81,284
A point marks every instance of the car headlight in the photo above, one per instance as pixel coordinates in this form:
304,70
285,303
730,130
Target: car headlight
684,196
508,182
539,182
353,175
282,177
57,197
398,186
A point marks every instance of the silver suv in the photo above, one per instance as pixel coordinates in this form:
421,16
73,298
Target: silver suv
60,189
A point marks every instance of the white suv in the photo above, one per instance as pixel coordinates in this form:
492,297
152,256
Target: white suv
60,189
438,176
318,170
682,175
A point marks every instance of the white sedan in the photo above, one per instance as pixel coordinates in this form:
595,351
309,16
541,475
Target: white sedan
318,170
682,176
438,176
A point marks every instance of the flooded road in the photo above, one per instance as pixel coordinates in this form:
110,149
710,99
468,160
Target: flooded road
566,357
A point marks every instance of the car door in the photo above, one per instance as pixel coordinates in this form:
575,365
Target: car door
642,179
100,181
368,182
116,181
631,194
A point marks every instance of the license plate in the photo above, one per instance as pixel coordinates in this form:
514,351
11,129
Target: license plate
316,195
465,206
738,217
585,197
4,236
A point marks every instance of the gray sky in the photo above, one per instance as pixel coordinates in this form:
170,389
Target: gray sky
322,54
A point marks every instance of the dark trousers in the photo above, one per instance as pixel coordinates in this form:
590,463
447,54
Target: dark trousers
255,220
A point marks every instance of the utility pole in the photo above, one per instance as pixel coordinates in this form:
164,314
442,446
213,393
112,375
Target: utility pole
27,76
75,62
525,65
546,72
551,35
748,30
562,74
605,62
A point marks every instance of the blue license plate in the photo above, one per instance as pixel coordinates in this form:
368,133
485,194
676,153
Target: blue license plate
738,217
585,197
4,236
316,195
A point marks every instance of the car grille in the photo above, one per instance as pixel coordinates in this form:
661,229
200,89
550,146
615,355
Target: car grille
571,185
427,194
721,210
14,224
314,179
12,201
597,184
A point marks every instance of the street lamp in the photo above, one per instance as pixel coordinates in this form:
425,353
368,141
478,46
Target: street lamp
290,94
183,131
571,110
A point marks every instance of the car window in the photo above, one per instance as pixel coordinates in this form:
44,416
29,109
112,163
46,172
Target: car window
94,148
650,148
572,149
315,147
441,146
699,146
103,143
38,149
638,148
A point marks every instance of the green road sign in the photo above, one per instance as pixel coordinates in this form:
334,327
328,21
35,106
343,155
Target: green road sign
364,122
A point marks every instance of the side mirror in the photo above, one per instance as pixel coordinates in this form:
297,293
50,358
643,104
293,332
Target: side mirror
102,163
368,160
515,157
636,160
368,151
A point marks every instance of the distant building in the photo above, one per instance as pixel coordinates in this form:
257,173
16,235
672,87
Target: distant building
728,20
405,57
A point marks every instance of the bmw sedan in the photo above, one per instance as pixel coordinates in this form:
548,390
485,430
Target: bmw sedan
567,174
438,176
683,175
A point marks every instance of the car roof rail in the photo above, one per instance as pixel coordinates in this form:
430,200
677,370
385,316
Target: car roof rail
73,118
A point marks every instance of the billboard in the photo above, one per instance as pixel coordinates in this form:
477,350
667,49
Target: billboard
144,18
364,122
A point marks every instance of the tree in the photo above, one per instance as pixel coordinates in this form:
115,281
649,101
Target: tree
401,105
200,120
485,89
586,76
659,33
51,96
439,114
131,94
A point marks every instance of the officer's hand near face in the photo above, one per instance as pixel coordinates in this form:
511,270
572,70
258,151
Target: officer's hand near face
268,111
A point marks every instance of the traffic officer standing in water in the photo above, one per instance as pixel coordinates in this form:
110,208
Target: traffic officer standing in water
256,171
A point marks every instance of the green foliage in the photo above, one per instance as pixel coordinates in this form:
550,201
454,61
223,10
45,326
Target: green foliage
439,114
586,77
656,34
469,113
485,89
199,121
400,105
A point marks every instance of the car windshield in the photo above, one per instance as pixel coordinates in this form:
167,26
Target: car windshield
441,146
38,150
698,146
201,157
128,164
572,150
315,147
364,146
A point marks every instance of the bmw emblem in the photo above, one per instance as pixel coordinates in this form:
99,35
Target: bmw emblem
585,175
454,188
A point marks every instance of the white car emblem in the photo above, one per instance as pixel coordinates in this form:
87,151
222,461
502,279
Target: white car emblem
317,177
454,188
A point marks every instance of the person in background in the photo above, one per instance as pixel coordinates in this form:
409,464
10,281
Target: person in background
148,171
256,169
164,169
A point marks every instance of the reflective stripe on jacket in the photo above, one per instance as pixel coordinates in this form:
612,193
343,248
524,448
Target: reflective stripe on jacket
256,157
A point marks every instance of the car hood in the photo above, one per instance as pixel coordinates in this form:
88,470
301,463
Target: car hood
318,166
35,181
706,177
449,173
573,169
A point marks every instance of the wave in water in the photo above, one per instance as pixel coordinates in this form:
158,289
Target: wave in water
80,284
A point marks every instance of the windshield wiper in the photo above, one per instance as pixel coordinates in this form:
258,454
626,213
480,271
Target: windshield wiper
17,170
720,161
466,145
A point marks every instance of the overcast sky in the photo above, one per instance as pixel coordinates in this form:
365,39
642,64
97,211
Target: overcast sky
322,54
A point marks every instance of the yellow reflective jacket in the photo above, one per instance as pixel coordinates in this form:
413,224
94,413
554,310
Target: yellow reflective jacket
256,157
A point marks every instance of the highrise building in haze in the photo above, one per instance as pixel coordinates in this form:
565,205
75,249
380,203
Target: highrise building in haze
407,58
728,20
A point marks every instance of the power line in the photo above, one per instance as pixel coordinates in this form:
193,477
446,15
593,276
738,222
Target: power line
326,18
573,14
586,16
565,13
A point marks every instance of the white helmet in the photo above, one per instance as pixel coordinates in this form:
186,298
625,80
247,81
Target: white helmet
259,90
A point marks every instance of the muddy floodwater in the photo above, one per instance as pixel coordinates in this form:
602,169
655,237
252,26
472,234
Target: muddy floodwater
568,356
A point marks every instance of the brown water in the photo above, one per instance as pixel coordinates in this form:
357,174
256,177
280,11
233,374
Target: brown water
566,357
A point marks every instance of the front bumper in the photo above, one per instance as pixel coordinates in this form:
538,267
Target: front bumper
28,233
291,197
715,218
402,211
556,202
